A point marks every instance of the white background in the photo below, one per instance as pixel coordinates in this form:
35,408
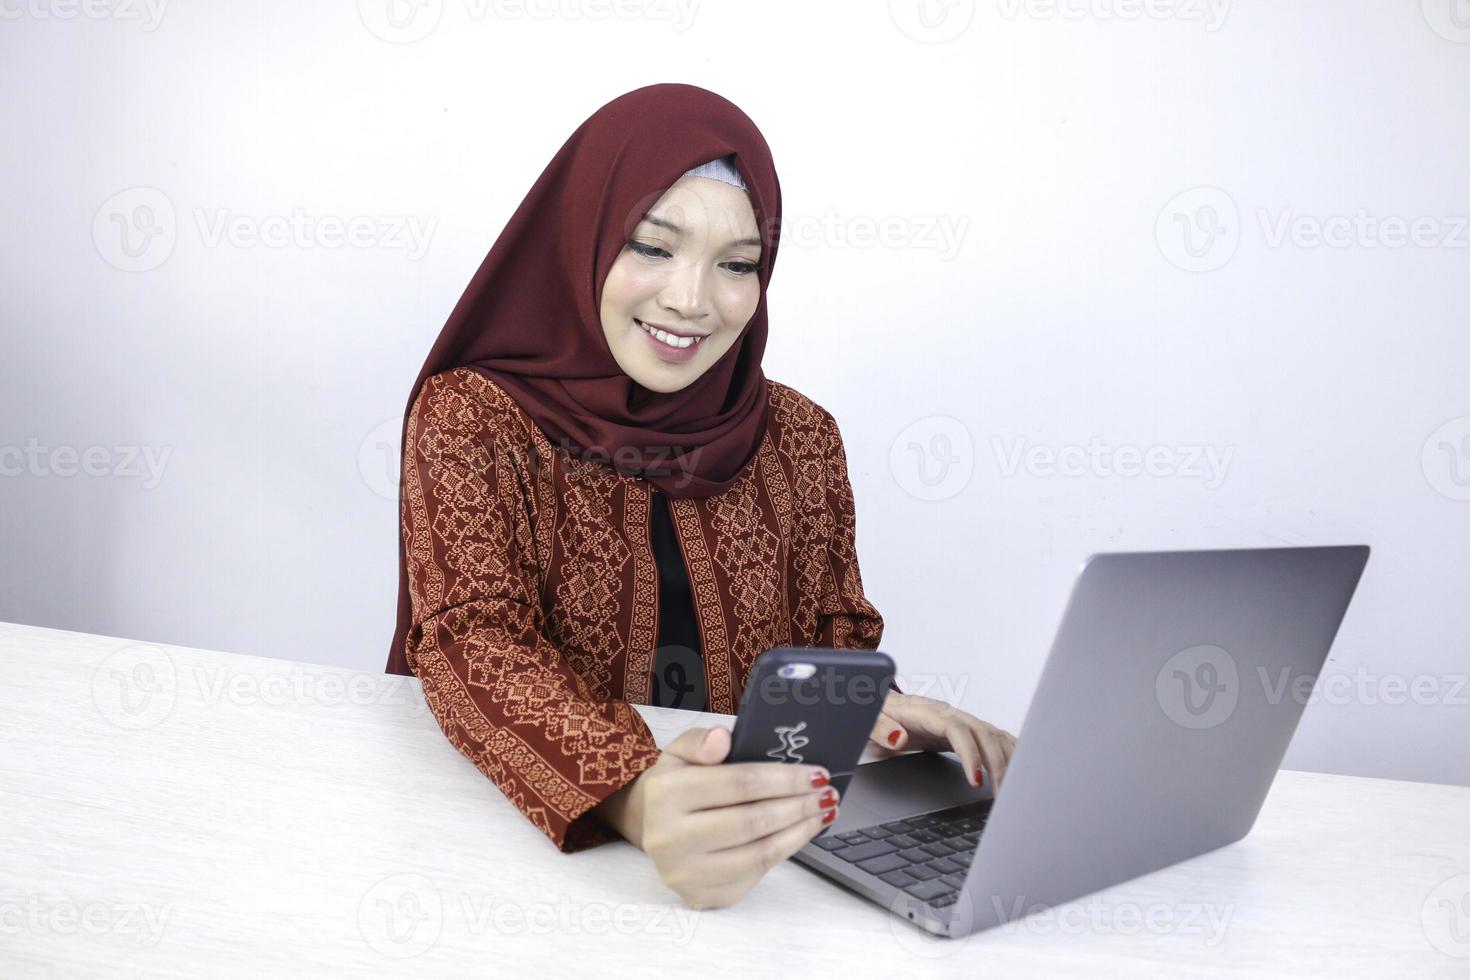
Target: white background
1096,239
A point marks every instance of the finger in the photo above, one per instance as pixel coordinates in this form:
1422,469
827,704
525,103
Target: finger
701,746
1008,747
755,858
888,731
962,740
707,787
924,723
730,826
990,744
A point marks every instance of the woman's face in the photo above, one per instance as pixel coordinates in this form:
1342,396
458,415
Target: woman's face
689,268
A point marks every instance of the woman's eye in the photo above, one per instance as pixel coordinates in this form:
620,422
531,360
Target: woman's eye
738,267
652,251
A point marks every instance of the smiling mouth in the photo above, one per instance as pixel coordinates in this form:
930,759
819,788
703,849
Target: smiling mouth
673,340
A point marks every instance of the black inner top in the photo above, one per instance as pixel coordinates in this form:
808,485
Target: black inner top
678,665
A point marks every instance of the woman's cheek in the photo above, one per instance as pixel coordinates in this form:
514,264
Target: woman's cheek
739,305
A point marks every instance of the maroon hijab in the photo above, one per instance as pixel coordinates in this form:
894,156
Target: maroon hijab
530,318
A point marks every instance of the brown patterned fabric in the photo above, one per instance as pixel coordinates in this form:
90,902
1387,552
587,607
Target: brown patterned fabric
534,588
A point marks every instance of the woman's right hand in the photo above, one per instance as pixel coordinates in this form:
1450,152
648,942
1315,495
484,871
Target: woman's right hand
714,830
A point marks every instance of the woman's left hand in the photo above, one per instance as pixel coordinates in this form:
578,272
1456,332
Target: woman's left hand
909,721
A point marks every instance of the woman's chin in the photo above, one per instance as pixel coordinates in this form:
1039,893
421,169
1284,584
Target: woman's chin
668,380
661,376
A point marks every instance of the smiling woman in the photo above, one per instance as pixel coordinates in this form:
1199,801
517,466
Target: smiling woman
606,502
685,284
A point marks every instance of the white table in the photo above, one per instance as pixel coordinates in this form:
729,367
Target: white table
181,812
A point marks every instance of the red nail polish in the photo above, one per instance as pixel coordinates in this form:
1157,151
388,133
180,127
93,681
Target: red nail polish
829,798
829,816
819,779
979,776
893,737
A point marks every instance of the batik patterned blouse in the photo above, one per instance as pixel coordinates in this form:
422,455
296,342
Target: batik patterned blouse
534,588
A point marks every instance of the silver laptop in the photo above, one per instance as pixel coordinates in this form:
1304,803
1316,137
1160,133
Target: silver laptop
1162,715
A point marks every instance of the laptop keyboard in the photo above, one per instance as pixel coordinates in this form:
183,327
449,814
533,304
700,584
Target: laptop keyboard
926,856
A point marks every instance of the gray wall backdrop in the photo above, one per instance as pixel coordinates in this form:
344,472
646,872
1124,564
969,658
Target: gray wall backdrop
1072,275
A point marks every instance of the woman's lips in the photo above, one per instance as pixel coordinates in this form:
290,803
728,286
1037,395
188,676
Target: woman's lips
676,355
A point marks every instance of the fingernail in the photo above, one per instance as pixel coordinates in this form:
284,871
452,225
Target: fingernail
893,736
979,776
707,736
829,798
819,779
829,816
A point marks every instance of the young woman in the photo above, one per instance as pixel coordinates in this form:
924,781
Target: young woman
606,502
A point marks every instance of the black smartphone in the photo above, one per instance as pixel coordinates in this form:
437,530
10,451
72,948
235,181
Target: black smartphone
811,705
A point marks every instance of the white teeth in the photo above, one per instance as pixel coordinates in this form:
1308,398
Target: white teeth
669,338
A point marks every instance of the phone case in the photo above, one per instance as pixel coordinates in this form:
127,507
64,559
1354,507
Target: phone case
821,719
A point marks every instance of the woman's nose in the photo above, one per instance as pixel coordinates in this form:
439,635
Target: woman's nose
683,293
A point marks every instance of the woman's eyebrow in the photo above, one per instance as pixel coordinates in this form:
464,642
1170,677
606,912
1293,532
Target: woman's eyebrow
654,219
